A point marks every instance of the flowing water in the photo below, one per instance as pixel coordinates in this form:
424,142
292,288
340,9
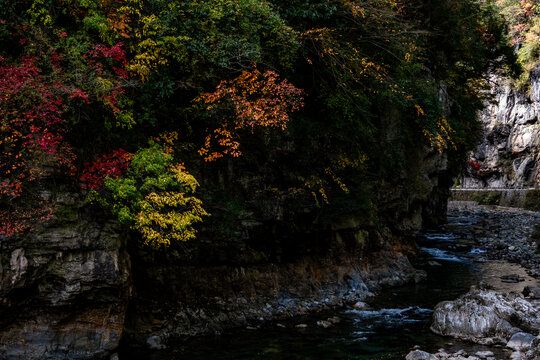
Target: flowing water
395,321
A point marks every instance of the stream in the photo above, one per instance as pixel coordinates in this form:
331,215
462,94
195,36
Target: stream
388,327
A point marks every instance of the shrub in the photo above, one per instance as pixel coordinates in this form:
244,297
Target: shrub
487,198
154,197
531,201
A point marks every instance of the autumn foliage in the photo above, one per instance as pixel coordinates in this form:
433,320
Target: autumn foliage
31,136
31,126
111,165
252,100
153,196
15,221
81,78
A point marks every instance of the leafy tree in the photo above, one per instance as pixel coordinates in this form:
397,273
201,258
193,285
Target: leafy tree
154,196
251,100
353,86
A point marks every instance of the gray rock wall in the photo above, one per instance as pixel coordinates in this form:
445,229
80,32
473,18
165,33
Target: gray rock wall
64,288
509,150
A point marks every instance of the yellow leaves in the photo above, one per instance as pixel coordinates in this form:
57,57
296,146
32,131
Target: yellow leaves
151,54
408,57
419,110
170,215
318,34
442,138
355,9
104,84
337,180
39,13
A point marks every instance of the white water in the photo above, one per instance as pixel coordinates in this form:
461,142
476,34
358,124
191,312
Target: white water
439,254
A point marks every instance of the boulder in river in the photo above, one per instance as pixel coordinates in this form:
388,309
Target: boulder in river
486,317
420,355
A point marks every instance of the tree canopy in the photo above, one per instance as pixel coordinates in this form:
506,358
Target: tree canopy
122,97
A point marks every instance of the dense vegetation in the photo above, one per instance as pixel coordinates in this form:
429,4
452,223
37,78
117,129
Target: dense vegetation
166,111
523,18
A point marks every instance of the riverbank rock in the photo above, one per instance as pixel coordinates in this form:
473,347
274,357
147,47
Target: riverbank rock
497,231
443,355
486,317
534,352
520,341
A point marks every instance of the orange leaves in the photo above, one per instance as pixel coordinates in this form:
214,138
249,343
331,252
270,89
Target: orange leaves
355,9
419,110
167,140
225,139
252,100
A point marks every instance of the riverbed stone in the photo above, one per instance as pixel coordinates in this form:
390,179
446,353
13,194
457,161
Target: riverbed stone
516,355
484,354
532,291
442,354
155,343
520,341
420,355
324,324
334,320
360,305
512,278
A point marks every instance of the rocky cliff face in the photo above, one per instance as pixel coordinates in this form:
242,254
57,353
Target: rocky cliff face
207,290
509,152
71,289
64,288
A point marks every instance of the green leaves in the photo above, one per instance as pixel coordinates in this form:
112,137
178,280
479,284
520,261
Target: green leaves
150,161
155,197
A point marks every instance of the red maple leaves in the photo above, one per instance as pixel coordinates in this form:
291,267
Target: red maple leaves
111,165
31,126
31,136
